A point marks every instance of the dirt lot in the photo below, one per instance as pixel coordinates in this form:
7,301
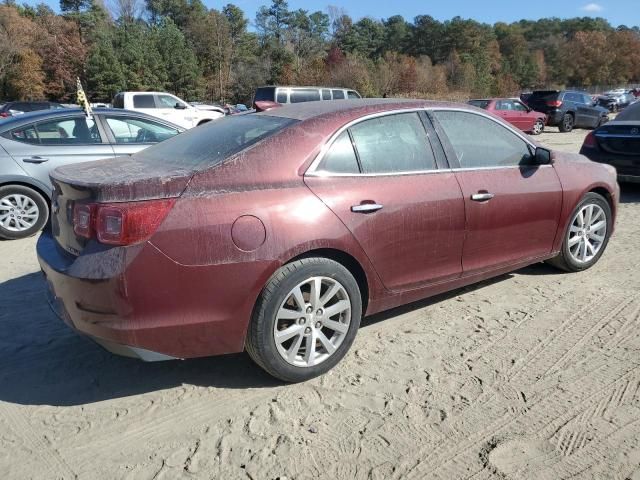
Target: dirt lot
531,375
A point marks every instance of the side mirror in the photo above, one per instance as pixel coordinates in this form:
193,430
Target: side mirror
179,106
542,156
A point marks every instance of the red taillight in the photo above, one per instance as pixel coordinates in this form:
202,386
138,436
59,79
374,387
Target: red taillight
590,141
554,103
120,223
4,114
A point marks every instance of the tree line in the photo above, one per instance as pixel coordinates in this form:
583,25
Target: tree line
184,48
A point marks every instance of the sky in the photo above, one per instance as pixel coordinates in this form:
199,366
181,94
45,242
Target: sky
618,12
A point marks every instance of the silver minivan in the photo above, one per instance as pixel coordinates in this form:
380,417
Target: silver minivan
289,94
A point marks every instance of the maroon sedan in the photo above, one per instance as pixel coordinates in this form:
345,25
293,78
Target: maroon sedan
276,232
515,112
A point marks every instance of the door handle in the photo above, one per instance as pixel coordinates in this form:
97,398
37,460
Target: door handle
366,208
35,159
482,197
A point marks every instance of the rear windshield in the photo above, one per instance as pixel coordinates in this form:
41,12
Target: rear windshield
630,114
264,94
479,103
213,142
543,96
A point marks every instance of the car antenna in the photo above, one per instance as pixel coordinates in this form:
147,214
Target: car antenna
82,100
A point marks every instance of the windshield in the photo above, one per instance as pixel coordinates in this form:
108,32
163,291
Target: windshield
630,114
479,103
213,142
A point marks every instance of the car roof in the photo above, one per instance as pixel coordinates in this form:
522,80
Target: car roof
39,115
309,110
307,86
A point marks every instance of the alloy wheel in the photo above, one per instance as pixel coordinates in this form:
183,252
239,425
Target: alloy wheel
312,321
538,127
587,233
18,212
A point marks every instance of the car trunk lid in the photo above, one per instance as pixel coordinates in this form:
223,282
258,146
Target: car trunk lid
121,180
620,138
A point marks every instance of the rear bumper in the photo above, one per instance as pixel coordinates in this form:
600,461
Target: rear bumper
627,168
137,302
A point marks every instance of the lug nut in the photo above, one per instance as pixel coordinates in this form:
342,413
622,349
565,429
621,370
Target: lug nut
319,312
301,321
309,309
307,330
318,324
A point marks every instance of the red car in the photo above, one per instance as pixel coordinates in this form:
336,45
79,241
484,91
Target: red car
276,232
515,112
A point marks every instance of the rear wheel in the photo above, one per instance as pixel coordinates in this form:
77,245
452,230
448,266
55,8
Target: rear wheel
587,234
538,127
566,125
305,320
23,212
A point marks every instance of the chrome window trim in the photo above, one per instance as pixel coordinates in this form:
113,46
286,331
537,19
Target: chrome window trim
313,170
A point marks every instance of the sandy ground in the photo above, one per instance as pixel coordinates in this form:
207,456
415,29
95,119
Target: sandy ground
533,375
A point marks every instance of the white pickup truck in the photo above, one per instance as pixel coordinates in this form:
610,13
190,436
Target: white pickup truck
168,107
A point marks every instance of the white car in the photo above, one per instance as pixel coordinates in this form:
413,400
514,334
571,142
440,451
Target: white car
166,106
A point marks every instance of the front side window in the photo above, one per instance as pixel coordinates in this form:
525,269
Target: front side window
143,101
519,107
134,130
26,134
393,143
480,142
352,94
304,95
282,96
340,158
69,131
167,101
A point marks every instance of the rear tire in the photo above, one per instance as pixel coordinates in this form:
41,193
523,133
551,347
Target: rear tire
567,123
23,212
301,323
585,229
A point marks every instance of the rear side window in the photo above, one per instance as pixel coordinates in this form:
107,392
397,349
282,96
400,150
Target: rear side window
352,94
338,94
326,94
340,158
482,143
480,103
282,97
573,97
504,105
135,130
304,95
143,101
213,142
392,144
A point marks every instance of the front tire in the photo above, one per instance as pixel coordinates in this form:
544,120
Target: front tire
23,212
586,236
567,123
538,127
305,320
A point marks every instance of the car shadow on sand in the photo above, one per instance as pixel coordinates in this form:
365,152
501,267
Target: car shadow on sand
630,193
44,362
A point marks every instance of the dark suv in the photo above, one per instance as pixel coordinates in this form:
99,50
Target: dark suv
568,109
14,108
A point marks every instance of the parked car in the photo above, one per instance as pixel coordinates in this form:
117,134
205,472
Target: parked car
214,107
618,143
221,239
284,94
168,107
515,112
31,145
10,109
567,109
615,102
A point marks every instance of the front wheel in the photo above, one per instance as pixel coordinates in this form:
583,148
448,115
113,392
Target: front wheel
305,320
23,212
586,236
538,127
